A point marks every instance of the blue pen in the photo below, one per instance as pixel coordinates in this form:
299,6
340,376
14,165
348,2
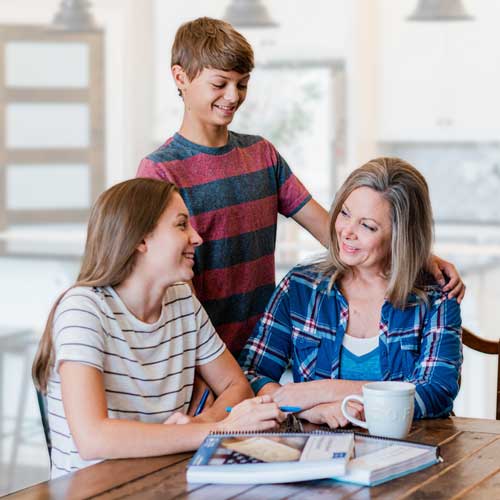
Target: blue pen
202,402
285,409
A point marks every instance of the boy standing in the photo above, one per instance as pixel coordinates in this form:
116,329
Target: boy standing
234,185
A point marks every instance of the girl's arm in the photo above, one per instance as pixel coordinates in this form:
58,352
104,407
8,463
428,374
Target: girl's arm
99,437
225,378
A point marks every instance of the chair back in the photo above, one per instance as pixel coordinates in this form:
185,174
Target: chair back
42,406
472,341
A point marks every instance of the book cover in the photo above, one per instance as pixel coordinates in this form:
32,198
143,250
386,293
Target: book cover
377,460
270,457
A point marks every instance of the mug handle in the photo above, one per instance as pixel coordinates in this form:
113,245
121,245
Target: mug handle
352,419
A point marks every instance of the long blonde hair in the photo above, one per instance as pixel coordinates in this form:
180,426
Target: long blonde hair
407,193
119,220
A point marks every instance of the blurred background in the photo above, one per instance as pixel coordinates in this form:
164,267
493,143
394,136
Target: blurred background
86,92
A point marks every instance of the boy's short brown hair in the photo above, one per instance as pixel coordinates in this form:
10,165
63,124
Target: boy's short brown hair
211,43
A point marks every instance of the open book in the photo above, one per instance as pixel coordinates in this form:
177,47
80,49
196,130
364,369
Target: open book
378,460
270,457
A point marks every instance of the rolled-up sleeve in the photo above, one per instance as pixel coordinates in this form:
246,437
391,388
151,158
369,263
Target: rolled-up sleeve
437,371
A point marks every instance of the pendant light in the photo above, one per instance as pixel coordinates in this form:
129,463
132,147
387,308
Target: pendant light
440,10
74,15
248,14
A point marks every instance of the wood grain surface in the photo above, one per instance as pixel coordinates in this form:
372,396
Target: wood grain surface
470,470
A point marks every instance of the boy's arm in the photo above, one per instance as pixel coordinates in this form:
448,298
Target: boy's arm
313,217
455,286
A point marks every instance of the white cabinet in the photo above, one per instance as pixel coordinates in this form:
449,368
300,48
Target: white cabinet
438,81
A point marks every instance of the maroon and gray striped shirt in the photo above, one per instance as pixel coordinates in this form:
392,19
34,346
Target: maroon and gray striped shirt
234,194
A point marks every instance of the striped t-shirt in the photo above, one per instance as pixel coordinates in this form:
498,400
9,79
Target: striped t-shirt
148,369
234,194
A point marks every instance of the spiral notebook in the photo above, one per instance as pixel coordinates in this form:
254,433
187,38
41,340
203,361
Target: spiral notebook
377,459
256,458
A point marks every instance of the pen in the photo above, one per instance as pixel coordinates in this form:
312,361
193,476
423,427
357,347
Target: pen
285,409
202,402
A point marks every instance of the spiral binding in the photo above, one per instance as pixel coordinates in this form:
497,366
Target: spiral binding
323,430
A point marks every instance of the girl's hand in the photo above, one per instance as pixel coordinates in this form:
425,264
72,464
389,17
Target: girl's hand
256,414
303,394
331,414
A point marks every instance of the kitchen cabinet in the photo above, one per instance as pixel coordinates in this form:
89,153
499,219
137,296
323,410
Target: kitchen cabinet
438,81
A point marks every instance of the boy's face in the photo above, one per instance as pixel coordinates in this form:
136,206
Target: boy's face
213,96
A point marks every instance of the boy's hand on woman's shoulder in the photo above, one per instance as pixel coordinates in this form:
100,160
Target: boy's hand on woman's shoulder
455,286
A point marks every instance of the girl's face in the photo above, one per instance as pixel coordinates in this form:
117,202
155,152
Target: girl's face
363,228
168,252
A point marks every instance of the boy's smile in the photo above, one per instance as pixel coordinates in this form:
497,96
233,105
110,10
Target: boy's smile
211,99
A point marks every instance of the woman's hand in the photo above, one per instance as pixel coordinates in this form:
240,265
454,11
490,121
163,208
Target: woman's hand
303,394
455,287
331,414
256,414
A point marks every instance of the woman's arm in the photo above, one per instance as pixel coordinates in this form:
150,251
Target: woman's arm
437,368
99,437
309,394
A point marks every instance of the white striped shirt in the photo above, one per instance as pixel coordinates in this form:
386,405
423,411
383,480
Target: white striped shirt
148,369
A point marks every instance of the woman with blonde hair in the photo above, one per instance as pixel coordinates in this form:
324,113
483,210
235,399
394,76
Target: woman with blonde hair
120,348
369,311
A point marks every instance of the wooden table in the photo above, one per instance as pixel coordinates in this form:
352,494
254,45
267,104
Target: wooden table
471,469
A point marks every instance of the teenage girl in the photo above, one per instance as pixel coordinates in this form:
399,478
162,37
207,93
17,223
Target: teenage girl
120,348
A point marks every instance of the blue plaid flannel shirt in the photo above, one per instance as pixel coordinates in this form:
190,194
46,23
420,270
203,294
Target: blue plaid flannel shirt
304,324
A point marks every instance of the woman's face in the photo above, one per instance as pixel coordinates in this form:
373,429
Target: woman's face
363,228
169,250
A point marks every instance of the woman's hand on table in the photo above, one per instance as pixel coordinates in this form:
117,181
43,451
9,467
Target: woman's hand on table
330,414
303,394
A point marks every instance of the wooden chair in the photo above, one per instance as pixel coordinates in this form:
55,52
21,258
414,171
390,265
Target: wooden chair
476,343
42,406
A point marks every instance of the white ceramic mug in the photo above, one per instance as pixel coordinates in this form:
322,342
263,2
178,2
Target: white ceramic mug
388,408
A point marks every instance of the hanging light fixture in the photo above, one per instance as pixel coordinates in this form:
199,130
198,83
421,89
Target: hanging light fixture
74,15
248,14
440,10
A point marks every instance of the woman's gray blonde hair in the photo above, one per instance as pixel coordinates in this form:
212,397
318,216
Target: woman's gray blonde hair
407,193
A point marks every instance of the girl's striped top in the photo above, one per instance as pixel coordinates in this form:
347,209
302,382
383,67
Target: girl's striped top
148,369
